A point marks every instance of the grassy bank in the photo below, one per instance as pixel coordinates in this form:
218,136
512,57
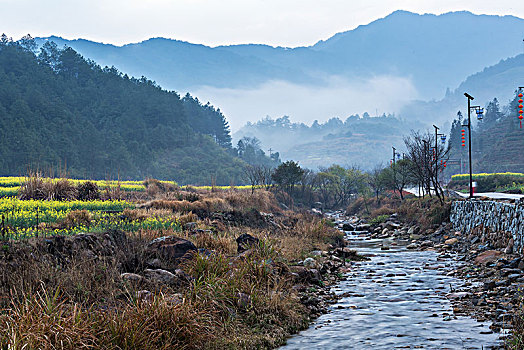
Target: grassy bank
489,182
93,290
424,212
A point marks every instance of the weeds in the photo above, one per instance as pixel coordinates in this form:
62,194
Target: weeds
67,292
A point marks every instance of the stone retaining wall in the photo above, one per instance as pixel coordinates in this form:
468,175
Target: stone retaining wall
497,223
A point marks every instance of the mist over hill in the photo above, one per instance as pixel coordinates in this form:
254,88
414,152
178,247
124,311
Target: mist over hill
366,141
498,81
377,67
361,141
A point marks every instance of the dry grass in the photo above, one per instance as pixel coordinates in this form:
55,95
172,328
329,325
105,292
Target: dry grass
37,187
155,187
424,212
187,218
47,321
77,299
206,205
260,200
310,233
77,217
88,191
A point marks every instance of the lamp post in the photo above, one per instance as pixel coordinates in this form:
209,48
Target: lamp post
479,112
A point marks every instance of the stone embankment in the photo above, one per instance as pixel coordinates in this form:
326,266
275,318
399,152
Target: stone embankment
499,224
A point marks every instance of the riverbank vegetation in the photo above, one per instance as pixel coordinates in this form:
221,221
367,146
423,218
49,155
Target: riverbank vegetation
170,268
490,182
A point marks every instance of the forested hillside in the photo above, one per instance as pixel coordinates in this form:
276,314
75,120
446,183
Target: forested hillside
59,110
497,140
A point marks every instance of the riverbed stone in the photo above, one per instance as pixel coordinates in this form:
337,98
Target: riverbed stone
487,257
451,241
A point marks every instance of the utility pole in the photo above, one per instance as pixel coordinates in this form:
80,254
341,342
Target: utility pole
394,154
470,98
436,149
425,165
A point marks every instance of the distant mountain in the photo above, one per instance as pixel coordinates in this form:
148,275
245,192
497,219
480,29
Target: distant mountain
436,52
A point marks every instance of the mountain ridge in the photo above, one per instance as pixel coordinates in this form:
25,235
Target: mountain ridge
350,53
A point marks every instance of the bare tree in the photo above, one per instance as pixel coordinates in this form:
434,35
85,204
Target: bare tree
426,161
251,174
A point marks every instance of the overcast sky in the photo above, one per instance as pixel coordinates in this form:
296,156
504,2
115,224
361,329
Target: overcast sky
215,22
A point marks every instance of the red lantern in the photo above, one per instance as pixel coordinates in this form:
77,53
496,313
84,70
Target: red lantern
463,145
463,130
463,134
520,117
520,95
520,101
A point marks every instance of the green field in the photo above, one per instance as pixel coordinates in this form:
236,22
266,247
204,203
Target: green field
9,186
490,182
27,218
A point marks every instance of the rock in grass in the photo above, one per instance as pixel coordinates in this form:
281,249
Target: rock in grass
243,300
160,276
310,262
144,295
132,277
246,241
170,247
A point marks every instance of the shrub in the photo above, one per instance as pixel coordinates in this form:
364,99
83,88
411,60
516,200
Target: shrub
78,217
88,191
378,219
33,187
62,190
39,188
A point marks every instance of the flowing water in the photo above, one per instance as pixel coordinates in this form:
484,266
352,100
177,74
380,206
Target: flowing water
396,300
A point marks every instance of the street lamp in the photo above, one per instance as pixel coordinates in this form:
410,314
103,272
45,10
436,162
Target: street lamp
480,112
396,156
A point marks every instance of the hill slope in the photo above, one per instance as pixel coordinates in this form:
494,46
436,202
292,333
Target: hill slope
499,80
361,141
58,109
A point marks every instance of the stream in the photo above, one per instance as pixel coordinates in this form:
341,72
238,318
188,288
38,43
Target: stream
395,300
